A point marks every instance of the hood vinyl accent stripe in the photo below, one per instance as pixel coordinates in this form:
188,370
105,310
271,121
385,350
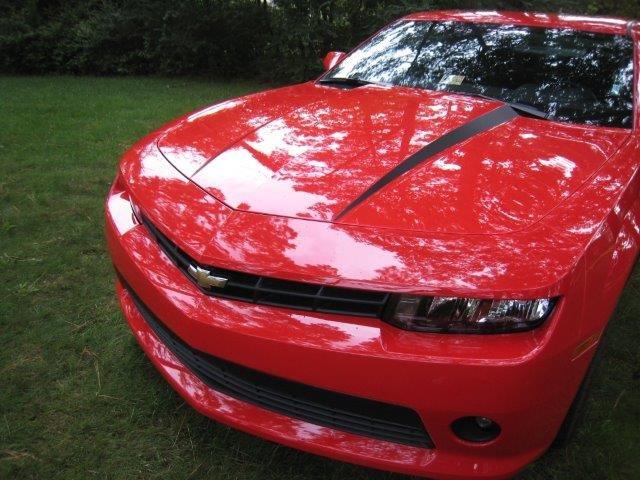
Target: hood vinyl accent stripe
458,135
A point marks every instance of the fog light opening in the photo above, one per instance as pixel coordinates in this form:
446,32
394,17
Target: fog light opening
476,429
484,423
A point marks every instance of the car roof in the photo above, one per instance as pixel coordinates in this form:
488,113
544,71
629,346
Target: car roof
617,26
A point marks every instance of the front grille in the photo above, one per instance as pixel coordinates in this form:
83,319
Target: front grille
357,415
280,293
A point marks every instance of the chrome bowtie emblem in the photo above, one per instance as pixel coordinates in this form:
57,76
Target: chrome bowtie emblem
205,279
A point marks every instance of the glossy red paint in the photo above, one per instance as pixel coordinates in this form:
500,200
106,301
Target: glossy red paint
476,231
332,59
534,19
313,156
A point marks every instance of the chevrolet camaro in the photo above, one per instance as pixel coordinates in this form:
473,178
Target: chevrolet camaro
408,263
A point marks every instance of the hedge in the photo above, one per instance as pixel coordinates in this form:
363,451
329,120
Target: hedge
273,40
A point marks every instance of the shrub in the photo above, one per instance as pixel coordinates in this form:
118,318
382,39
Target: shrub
275,40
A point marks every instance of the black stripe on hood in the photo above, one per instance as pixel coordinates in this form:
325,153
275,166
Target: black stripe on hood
457,135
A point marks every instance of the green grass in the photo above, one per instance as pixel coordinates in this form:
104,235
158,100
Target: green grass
78,399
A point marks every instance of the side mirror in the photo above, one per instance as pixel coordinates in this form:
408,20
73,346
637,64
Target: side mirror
332,59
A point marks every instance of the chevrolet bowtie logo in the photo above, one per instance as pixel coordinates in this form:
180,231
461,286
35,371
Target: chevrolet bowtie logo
205,279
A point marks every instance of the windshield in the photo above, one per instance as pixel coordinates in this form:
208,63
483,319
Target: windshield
571,75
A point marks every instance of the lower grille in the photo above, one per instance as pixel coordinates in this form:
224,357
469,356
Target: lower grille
272,291
357,415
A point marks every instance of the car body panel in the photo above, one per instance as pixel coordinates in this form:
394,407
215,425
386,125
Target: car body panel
614,26
504,265
562,220
312,162
389,364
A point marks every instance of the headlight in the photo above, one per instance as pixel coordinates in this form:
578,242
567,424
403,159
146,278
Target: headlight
467,315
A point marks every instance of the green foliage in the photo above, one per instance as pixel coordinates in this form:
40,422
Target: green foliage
273,40
223,38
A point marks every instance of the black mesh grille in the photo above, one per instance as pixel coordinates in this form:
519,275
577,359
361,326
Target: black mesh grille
281,293
357,415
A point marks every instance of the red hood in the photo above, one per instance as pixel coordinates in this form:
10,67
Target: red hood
309,151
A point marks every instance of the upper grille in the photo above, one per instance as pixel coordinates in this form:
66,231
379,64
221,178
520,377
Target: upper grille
281,293
340,411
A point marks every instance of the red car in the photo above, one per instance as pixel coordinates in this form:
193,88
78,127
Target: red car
408,263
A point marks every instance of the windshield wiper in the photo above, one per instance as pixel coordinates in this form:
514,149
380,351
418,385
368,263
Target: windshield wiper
349,82
521,108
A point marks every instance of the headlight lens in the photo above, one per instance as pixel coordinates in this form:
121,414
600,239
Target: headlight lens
468,315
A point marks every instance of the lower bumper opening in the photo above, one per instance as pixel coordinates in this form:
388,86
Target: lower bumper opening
339,411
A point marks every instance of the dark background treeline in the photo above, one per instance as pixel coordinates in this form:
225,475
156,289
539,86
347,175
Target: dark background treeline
280,40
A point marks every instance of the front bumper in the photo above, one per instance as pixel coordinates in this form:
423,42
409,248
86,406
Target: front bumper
525,381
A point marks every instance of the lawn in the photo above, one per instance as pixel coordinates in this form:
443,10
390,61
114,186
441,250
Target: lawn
78,399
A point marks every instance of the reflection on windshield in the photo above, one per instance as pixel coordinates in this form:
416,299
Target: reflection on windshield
573,76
